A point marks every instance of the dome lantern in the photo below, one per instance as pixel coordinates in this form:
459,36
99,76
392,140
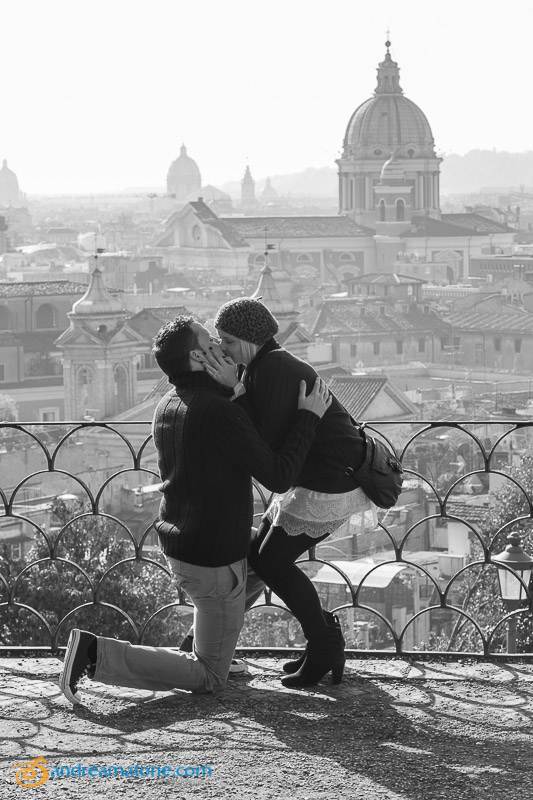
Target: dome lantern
388,75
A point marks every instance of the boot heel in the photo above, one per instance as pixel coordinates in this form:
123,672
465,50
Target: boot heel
337,673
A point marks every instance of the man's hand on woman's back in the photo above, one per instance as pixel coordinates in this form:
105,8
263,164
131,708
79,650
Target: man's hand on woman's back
318,400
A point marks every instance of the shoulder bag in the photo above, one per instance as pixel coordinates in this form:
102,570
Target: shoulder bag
380,476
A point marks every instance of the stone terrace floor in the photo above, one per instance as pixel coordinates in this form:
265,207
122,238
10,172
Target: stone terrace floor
394,729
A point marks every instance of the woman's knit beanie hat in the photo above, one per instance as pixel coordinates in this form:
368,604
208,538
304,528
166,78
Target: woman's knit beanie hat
247,319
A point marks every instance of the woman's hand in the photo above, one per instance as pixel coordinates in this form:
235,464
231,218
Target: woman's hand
318,400
220,367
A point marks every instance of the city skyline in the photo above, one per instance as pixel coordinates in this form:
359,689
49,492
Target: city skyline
100,97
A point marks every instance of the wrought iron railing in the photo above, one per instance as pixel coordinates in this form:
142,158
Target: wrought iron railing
78,547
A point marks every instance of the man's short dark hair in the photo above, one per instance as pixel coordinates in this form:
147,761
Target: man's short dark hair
172,346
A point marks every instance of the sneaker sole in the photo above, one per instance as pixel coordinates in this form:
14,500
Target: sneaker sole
70,654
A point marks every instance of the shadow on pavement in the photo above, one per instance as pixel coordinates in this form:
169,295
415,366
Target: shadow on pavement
432,732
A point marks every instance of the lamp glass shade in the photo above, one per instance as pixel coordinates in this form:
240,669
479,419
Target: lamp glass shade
512,590
510,586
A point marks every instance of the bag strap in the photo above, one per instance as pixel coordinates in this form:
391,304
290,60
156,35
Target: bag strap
359,425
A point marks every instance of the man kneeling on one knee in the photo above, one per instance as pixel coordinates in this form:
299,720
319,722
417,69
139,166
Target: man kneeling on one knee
208,450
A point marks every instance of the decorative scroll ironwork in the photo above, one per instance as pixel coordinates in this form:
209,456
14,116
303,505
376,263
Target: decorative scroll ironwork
78,546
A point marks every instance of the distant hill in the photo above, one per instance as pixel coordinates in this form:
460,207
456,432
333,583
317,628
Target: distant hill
477,170
486,169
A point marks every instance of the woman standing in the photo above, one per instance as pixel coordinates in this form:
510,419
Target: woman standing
324,496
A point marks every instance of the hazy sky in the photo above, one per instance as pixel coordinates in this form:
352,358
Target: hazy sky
100,94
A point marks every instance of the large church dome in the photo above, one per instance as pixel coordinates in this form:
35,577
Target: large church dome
388,122
388,143
9,187
183,176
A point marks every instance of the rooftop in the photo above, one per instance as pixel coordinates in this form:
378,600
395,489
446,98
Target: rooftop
357,392
296,227
40,288
455,225
505,321
361,315
478,223
384,279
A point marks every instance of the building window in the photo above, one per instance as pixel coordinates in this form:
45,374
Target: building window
305,258
120,375
399,348
456,342
2,372
347,257
382,210
479,354
518,345
421,345
49,414
14,551
46,316
5,319
85,376
444,343
497,345
353,349
400,210
146,361
376,348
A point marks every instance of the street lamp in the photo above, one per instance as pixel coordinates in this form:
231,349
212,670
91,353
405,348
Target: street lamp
512,590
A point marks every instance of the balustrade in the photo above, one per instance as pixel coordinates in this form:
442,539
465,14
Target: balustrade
78,547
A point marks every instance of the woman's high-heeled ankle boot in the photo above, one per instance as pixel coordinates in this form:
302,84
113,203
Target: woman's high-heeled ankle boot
290,667
324,654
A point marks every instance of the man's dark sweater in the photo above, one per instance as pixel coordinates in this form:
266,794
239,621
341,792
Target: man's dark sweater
207,450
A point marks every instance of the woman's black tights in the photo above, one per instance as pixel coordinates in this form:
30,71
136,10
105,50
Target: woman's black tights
272,556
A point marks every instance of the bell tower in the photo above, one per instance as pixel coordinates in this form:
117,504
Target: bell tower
248,200
99,355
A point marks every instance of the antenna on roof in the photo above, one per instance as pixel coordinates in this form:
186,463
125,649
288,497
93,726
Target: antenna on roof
97,250
268,247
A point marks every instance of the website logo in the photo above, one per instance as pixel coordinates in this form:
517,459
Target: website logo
32,773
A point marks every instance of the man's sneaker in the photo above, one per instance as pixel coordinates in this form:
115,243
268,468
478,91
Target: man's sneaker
238,667
78,660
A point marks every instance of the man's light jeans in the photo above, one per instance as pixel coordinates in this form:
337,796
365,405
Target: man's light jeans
218,595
